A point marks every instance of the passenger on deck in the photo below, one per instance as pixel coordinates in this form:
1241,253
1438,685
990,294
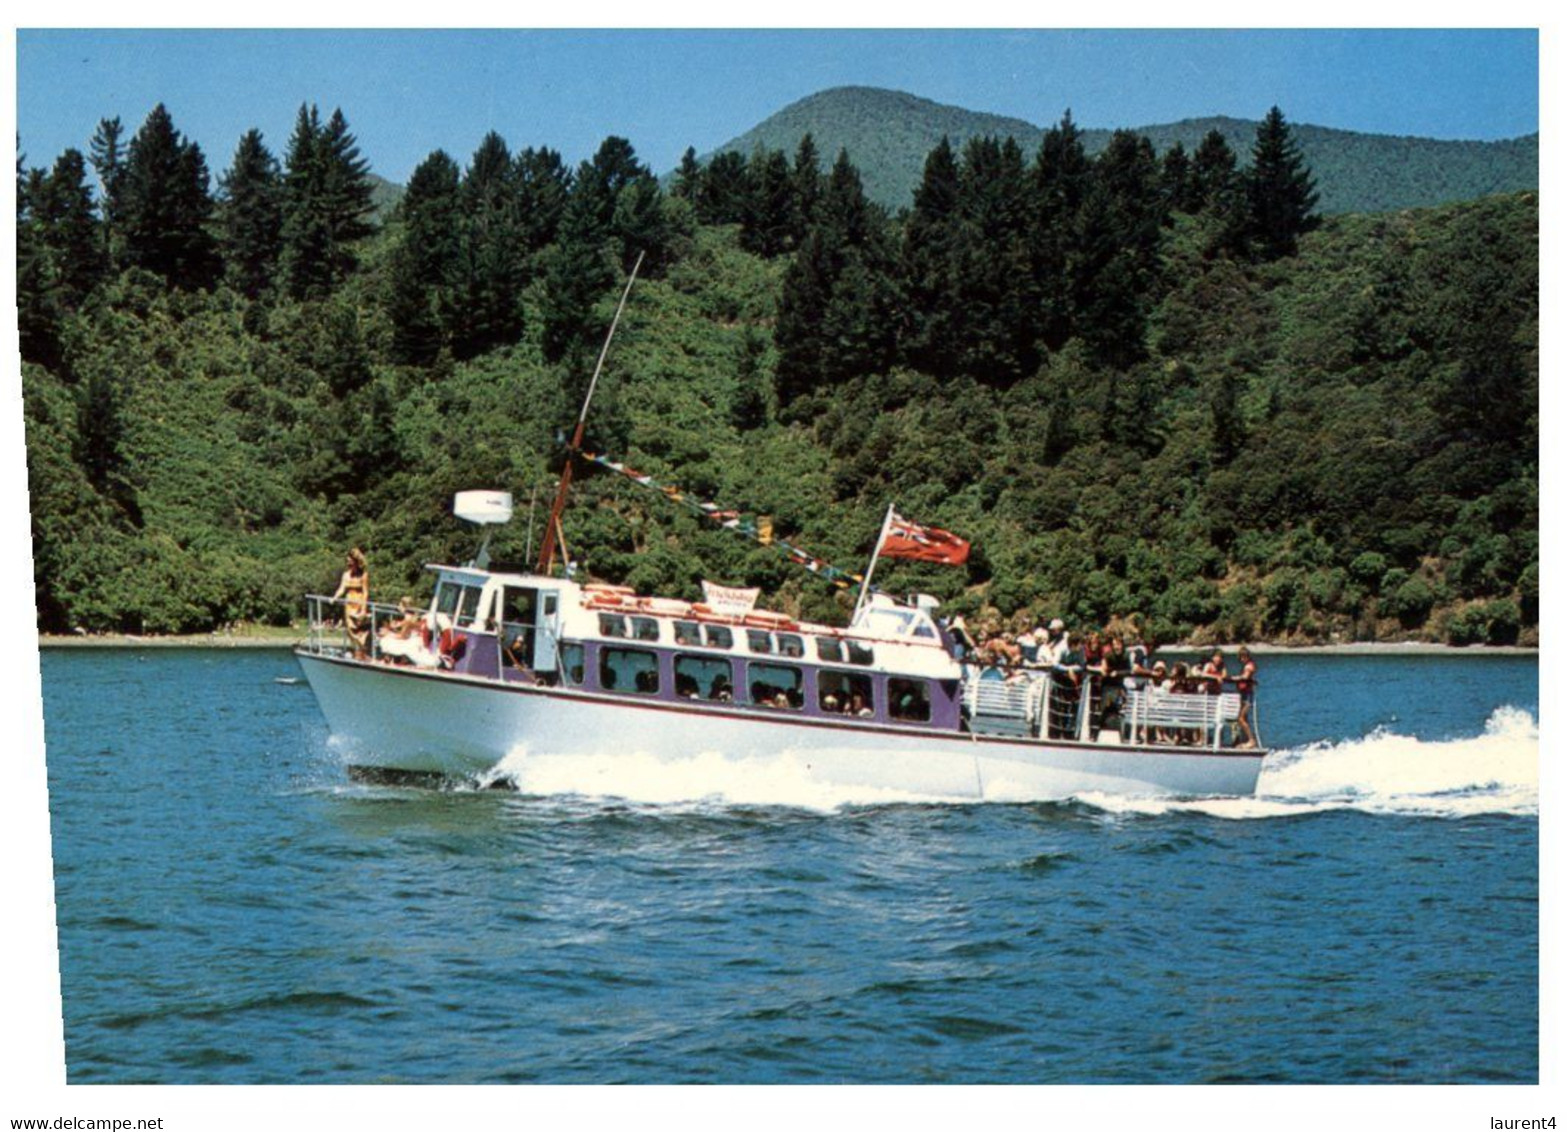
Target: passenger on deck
1246,685
353,590
1212,675
1055,645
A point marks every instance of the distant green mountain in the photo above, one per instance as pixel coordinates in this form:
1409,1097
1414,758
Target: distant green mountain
888,134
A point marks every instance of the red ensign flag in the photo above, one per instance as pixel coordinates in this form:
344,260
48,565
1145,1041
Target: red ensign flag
923,544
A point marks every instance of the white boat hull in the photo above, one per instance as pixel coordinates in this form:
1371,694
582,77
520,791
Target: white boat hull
398,719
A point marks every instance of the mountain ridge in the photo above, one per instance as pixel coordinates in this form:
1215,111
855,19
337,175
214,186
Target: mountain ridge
888,134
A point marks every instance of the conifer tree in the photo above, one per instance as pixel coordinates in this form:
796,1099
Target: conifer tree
1218,191
688,177
327,204
494,252
577,272
250,216
543,187
63,216
164,208
768,220
835,315
807,187
1060,178
1175,179
932,240
1115,261
38,307
424,269
725,191
1281,196
107,154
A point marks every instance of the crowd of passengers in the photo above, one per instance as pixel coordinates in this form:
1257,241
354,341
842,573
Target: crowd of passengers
1110,664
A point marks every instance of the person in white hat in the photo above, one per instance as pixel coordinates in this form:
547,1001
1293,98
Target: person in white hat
1054,648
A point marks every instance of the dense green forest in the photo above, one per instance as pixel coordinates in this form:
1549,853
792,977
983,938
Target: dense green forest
1139,383
888,133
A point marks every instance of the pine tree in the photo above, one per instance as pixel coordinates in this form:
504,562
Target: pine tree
38,305
543,188
932,239
688,177
327,204
250,217
1219,192
108,160
599,182
425,265
1175,180
835,315
494,252
726,189
768,220
63,215
1116,254
1213,169
1060,177
164,208
752,406
807,187
577,273
1280,194
995,284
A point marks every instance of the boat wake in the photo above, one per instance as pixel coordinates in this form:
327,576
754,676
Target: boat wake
1495,772
703,779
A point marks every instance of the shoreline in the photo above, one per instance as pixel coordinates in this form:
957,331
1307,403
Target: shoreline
284,639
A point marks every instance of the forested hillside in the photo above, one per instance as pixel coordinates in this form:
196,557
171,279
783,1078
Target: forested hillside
888,133
1138,384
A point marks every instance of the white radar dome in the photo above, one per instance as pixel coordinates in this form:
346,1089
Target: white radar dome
482,507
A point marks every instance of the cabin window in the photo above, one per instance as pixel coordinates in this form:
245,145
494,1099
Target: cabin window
758,640
571,664
644,628
908,701
612,625
860,654
468,607
845,693
628,670
790,645
550,605
704,678
718,637
688,633
776,686
829,649
457,601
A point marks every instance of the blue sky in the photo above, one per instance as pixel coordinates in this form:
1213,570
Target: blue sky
407,93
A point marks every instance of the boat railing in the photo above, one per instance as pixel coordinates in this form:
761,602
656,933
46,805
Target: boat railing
1154,715
329,628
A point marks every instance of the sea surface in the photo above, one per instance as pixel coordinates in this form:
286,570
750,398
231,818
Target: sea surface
232,909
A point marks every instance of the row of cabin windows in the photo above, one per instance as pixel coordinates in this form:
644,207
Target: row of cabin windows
770,685
759,641
518,607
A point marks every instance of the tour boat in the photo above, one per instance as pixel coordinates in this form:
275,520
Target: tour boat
508,664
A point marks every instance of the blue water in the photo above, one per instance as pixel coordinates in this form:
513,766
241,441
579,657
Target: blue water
232,909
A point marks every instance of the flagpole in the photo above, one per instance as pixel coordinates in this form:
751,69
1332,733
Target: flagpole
552,529
865,586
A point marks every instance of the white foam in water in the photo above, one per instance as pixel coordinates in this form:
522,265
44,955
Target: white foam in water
703,778
1384,772
1495,772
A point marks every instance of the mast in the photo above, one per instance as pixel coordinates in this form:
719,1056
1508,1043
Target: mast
552,528
865,586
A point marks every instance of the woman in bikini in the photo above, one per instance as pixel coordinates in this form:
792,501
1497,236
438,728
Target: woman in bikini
353,590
